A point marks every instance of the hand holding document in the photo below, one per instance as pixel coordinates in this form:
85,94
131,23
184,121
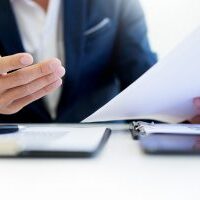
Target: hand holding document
163,93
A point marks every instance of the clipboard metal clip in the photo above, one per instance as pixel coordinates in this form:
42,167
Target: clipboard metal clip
138,129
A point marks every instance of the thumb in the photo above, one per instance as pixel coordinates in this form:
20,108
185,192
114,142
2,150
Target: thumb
14,62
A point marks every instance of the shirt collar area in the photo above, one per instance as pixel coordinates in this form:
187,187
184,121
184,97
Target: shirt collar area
52,12
33,4
28,2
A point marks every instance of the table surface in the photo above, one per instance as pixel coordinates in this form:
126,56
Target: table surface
120,171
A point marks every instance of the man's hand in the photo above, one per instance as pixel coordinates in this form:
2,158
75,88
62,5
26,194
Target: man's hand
196,119
27,84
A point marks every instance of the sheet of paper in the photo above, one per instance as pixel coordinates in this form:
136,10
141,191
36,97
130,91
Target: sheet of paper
165,92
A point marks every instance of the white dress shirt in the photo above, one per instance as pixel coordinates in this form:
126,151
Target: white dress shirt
41,34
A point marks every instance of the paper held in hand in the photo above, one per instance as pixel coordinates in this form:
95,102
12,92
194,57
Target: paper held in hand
163,93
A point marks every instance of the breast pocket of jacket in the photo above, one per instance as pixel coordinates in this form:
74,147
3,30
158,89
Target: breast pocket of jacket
100,36
98,49
100,27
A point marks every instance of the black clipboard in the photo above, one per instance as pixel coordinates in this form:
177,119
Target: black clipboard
16,152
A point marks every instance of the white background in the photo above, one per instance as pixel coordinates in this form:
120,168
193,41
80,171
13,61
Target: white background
170,21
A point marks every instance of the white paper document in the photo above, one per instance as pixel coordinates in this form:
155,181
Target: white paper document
163,93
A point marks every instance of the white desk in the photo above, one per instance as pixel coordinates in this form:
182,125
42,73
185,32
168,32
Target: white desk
121,171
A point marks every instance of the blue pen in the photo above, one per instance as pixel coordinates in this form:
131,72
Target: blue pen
7,129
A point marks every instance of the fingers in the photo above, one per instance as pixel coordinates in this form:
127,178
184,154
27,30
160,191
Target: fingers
29,74
22,91
27,84
20,103
195,120
17,61
196,102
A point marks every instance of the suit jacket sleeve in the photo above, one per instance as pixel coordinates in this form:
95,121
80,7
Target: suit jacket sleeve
132,54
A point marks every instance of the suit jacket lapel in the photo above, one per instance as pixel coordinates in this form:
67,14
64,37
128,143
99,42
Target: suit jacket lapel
9,34
74,27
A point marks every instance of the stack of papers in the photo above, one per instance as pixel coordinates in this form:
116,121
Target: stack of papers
163,93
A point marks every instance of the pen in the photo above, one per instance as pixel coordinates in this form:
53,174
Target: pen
7,129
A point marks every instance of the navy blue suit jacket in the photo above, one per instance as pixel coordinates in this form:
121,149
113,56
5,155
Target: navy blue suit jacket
101,58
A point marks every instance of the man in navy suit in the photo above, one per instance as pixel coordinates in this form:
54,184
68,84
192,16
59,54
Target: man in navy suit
103,46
